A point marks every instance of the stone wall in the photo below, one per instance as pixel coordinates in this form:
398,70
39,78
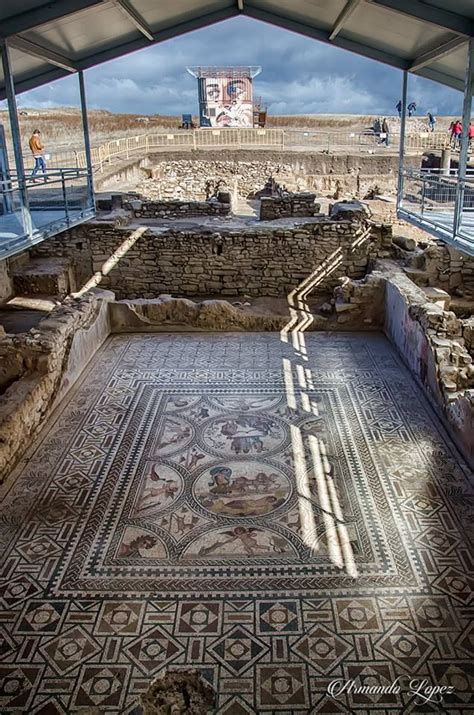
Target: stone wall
443,266
299,204
142,263
431,342
183,175
6,286
42,365
178,209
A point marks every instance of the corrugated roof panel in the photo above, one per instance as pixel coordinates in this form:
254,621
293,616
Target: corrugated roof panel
461,7
76,36
390,31
318,12
158,14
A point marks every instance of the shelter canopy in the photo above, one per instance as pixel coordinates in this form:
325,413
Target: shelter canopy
48,40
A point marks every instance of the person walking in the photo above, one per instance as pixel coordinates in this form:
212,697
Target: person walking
470,137
37,148
456,133
385,132
411,108
398,107
431,121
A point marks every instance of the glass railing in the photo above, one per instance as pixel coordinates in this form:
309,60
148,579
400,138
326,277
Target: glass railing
35,207
438,202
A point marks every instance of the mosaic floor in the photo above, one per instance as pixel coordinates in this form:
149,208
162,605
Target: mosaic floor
281,516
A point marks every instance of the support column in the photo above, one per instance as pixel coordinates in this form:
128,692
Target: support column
16,135
401,154
87,143
445,162
466,120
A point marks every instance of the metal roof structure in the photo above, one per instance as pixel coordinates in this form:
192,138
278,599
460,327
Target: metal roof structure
50,39
234,72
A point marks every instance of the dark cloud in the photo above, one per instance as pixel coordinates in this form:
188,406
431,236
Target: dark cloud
299,76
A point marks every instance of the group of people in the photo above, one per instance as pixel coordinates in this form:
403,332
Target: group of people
455,133
381,130
411,108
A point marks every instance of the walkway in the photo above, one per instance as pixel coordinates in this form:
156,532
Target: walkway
276,514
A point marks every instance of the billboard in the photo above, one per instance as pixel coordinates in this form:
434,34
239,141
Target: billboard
225,102
225,95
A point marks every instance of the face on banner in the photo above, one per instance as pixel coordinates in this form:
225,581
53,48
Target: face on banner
226,102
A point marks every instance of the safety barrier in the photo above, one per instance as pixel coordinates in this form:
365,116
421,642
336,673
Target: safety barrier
243,138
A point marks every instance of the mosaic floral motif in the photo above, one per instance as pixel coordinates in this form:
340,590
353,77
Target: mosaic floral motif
187,508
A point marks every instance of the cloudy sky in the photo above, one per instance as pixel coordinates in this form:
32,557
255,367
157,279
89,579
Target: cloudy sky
299,76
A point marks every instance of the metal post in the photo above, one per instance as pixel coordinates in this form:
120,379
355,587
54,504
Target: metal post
401,151
87,143
466,120
16,136
63,186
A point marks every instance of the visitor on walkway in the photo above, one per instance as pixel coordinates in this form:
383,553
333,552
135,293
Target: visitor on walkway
431,121
411,108
398,107
456,131
385,135
37,148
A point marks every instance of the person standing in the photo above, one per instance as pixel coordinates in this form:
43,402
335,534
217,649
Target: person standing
37,148
411,108
431,121
385,132
470,136
398,107
457,131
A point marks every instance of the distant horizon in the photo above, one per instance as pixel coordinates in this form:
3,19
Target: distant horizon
76,107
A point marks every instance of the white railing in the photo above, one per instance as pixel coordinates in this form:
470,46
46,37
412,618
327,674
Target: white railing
326,141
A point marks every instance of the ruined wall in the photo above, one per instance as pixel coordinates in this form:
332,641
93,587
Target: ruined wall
141,263
300,204
178,209
183,175
431,342
43,364
6,286
445,267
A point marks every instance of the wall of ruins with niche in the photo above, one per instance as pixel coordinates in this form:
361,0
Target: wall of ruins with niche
142,263
184,175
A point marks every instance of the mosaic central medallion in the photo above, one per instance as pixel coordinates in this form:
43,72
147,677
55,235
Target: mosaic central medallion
242,489
244,434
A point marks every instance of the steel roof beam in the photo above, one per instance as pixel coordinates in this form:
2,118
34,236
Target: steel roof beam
135,18
30,19
52,58
343,16
428,13
426,58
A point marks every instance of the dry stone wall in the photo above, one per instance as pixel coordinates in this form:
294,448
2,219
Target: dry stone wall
41,366
299,204
178,209
140,263
185,175
431,342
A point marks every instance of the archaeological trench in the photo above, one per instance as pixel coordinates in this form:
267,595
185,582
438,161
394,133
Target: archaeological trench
236,416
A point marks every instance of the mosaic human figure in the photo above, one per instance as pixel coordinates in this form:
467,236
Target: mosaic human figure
144,541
